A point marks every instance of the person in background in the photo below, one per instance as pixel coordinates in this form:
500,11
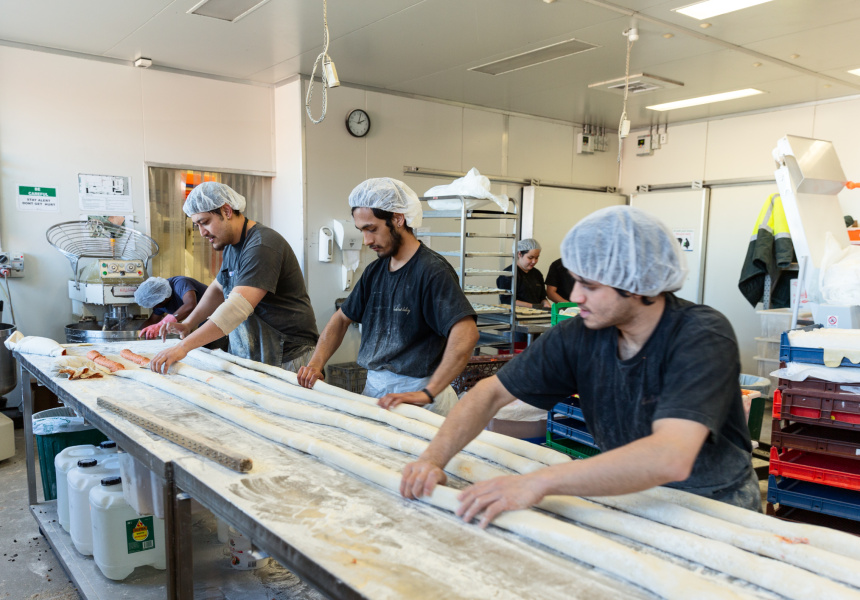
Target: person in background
559,283
657,378
531,292
417,327
258,298
171,300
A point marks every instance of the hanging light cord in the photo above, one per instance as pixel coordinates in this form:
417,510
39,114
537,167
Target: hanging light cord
624,106
319,61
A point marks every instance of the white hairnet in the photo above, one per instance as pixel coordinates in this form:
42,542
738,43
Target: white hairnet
527,245
390,195
625,248
211,195
153,292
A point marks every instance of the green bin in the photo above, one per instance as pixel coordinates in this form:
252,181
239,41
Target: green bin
51,444
754,383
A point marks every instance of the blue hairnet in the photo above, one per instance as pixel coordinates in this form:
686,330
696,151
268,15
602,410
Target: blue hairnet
211,195
527,245
153,292
390,195
625,248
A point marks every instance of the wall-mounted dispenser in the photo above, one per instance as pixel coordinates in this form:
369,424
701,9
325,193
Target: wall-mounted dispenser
349,240
326,244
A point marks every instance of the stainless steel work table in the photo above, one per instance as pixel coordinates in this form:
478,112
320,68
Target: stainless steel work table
342,535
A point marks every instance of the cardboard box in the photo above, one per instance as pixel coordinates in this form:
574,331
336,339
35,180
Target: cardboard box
518,429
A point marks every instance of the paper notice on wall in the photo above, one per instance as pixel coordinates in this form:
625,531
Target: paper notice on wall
104,194
39,198
685,239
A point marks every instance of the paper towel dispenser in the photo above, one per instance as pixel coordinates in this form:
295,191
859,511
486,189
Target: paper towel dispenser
349,240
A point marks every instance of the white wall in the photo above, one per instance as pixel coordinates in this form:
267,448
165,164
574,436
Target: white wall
288,187
432,135
60,116
740,148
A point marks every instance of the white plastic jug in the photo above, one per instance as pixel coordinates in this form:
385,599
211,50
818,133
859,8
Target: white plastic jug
122,539
141,486
64,462
81,480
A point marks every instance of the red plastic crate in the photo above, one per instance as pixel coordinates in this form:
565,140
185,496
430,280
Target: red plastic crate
817,468
834,409
819,439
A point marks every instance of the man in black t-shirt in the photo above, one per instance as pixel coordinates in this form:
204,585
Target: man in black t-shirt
559,283
417,327
657,378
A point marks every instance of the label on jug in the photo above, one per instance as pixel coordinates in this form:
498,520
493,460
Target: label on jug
140,535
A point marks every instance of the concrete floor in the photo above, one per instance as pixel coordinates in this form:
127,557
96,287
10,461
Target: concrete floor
28,569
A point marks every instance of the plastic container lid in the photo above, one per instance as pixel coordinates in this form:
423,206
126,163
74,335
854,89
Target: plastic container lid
107,444
114,480
87,462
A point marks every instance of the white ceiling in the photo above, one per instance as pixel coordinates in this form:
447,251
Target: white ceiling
425,47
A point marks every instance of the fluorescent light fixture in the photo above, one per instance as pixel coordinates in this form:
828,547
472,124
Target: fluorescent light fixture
534,57
855,72
705,99
712,8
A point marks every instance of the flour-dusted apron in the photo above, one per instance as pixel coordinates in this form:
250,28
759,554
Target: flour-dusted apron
380,383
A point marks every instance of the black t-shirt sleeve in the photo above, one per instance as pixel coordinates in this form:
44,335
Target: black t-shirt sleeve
503,282
697,385
353,307
259,267
553,276
444,304
544,374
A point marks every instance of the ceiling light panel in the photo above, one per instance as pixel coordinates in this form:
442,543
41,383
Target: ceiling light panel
706,99
637,84
713,8
534,57
226,10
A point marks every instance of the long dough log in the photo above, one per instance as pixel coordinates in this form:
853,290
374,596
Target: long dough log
529,450
99,359
662,578
720,556
834,566
135,358
369,411
465,468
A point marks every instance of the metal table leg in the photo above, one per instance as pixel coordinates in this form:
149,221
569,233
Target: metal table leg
27,407
183,566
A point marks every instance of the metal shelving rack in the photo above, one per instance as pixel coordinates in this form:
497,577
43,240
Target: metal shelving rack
464,215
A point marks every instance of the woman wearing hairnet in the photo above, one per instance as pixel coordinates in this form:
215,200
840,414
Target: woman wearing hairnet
258,298
171,300
657,379
417,327
531,291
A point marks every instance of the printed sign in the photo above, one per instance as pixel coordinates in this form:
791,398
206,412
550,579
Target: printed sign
42,199
685,238
104,194
140,535
832,321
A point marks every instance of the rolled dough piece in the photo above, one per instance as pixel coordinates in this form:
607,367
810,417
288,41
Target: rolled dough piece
767,573
795,552
370,411
31,344
461,466
820,537
663,578
527,449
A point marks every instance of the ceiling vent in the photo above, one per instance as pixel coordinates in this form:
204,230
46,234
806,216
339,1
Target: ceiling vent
639,84
534,57
226,10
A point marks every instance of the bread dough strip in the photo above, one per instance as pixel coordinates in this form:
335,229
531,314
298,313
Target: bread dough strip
513,461
527,449
665,579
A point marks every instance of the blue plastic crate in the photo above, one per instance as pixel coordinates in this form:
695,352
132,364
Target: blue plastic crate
815,497
573,430
568,410
815,356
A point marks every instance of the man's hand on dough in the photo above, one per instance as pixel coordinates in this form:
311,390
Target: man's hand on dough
389,401
309,375
161,362
495,496
166,327
419,479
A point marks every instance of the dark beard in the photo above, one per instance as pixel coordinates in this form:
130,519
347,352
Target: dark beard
396,243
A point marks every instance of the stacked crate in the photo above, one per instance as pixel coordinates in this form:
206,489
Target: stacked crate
815,442
773,323
566,430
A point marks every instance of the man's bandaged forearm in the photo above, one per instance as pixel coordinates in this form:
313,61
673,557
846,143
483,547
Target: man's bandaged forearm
231,313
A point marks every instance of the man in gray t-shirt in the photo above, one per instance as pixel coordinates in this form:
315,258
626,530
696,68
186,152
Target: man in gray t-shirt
258,298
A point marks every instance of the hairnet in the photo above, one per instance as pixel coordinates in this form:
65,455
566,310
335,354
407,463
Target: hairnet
625,248
390,195
527,245
153,292
211,195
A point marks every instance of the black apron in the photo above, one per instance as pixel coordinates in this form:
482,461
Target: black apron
254,339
